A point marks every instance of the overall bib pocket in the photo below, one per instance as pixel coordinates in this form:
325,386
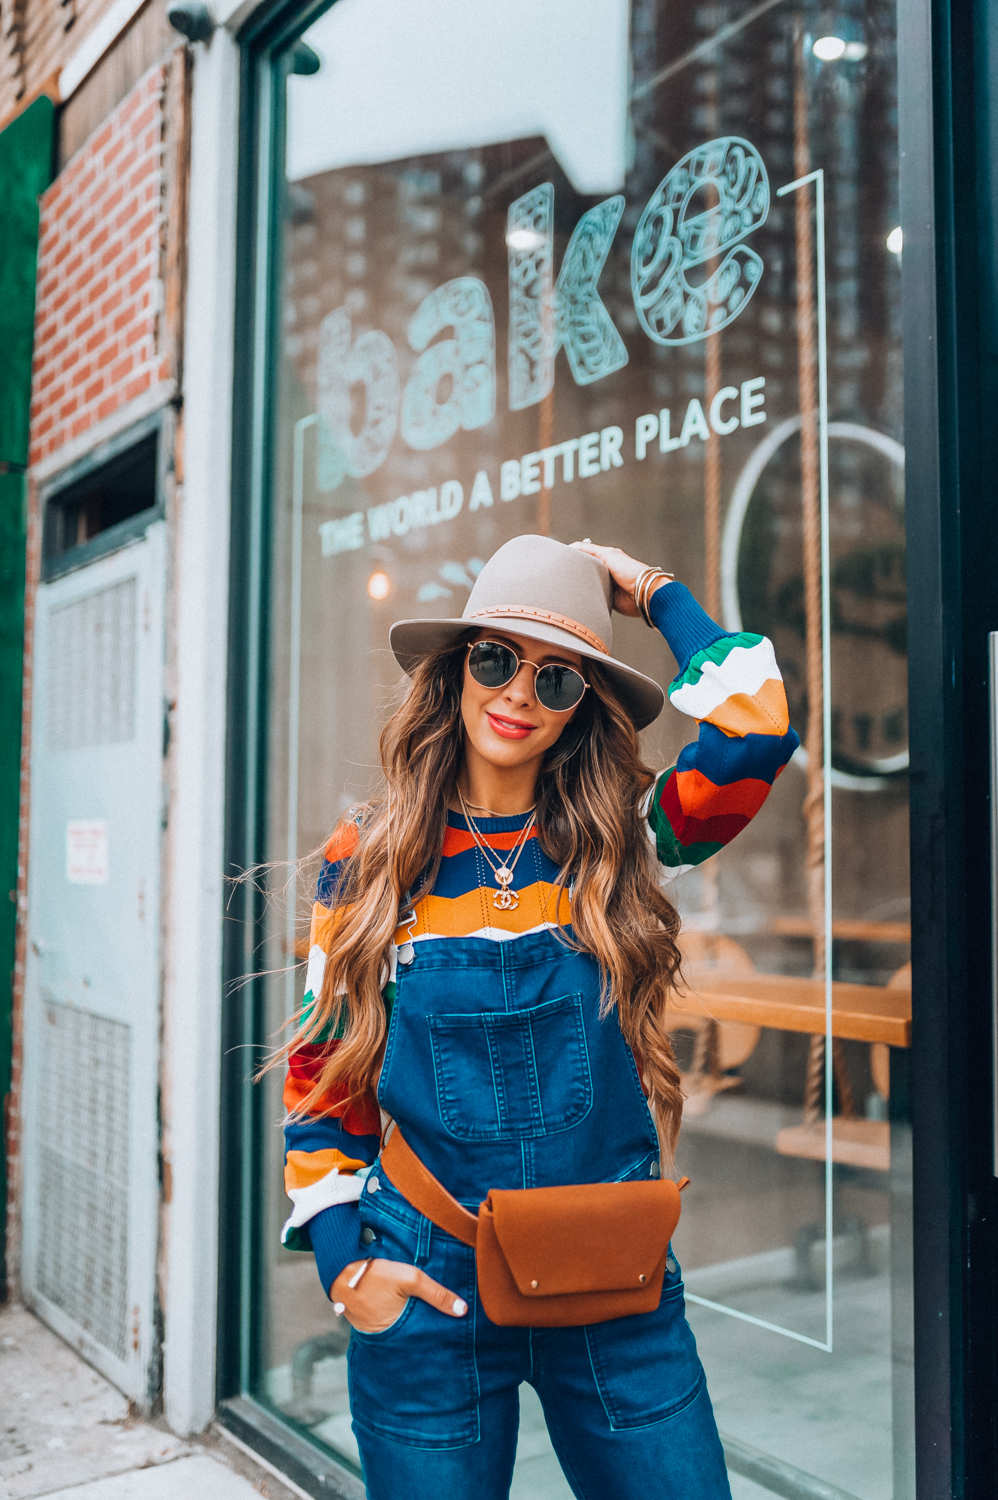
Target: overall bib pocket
512,1075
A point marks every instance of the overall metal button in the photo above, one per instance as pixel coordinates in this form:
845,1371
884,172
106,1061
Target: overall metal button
671,1266
654,1170
367,1236
373,1185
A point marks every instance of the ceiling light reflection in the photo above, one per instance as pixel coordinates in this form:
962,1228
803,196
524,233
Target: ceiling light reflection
832,48
525,239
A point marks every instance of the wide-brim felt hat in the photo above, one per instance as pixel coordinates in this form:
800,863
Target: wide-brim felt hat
540,588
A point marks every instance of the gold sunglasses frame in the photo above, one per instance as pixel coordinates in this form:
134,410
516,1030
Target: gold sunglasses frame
538,667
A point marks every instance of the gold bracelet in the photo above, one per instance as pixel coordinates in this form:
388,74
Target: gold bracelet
639,586
661,576
651,584
648,582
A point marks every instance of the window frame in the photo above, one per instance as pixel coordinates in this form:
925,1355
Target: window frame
159,424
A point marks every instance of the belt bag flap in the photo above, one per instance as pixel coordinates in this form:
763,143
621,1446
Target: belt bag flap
600,1237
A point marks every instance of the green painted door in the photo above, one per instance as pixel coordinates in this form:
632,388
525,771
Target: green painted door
25,171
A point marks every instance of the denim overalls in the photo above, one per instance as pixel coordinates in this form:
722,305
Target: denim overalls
501,1074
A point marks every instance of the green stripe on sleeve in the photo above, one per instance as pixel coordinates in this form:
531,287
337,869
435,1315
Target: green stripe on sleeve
716,652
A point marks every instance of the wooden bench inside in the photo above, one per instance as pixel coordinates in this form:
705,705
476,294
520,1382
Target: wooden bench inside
855,1143
860,1012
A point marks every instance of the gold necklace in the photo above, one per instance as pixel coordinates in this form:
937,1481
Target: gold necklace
504,898
489,812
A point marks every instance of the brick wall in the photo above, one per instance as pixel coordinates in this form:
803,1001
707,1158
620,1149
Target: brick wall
100,339
37,38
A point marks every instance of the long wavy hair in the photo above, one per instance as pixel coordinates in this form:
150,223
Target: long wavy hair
590,792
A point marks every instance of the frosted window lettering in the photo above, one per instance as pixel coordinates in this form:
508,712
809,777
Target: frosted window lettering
698,216
542,321
530,238
370,362
582,324
469,359
679,232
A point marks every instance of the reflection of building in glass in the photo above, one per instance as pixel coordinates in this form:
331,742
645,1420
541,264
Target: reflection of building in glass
376,241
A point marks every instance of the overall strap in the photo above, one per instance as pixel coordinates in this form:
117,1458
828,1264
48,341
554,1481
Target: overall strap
428,1197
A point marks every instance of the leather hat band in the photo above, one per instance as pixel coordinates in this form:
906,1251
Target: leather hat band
547,617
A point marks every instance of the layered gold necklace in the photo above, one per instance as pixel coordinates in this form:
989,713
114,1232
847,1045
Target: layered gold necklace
504,898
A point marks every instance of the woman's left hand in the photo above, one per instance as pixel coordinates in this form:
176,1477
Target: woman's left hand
625,572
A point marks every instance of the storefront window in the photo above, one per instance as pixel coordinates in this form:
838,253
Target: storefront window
627,271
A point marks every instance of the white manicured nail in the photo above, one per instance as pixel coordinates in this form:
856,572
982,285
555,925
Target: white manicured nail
339,1308
460,1307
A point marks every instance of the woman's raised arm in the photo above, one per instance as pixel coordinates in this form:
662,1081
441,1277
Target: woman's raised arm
731,685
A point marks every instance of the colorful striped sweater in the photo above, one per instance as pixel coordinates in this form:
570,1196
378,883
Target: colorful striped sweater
731,685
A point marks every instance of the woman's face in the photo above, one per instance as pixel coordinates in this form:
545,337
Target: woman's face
508,726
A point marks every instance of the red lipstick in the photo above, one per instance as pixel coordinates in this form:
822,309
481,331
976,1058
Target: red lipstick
510,729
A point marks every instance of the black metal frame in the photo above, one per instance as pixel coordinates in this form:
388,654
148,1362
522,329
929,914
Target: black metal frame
948,150
948,108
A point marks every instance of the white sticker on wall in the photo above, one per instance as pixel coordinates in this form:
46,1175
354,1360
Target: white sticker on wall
87,852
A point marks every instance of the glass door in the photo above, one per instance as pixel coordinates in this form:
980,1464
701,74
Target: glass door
636,278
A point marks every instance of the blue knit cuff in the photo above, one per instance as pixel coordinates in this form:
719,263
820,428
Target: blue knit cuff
335,1236
687,628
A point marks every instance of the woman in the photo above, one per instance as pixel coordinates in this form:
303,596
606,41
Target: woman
491,959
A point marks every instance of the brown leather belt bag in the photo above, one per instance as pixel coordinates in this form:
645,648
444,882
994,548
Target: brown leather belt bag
553,1257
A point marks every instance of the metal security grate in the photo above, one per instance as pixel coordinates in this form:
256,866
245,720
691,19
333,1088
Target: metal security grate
91,669
83,1178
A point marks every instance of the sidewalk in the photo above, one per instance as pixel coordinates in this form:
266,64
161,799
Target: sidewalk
67,1434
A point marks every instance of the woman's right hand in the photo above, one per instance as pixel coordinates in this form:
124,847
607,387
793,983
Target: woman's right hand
376,1302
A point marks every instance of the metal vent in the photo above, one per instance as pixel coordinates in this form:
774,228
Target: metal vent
83,1179
91,669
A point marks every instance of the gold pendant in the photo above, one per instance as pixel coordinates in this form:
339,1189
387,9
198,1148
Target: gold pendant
506,900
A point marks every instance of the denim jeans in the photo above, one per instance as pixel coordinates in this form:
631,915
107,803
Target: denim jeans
435,1399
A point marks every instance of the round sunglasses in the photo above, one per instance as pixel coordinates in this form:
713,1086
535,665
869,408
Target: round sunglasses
558,687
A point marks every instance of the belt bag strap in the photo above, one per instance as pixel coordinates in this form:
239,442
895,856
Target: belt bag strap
553,1257
428,1197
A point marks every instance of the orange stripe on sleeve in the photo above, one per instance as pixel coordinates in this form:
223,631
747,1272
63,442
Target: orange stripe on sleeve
343,841
302,1168
699,797
764,712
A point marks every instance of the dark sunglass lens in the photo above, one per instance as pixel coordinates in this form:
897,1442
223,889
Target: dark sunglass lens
491,664
559,688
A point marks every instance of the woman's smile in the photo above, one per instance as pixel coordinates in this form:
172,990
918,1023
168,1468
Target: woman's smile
509,729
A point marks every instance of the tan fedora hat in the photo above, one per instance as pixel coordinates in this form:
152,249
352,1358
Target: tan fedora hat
540,588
